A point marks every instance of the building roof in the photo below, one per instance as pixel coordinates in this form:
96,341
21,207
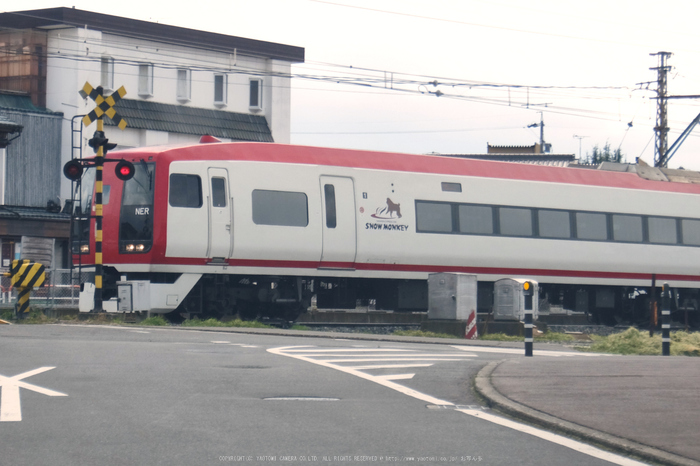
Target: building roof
51,18
22,102
141,114
555,160
33,213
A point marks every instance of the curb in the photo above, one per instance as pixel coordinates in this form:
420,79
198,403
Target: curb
482,385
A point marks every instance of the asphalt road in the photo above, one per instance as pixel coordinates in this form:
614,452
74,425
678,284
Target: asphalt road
91,395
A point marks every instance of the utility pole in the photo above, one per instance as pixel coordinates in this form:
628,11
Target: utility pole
541,125
579,145
661,128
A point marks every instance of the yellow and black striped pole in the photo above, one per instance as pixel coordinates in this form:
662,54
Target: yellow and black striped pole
99,165
25,275
98,142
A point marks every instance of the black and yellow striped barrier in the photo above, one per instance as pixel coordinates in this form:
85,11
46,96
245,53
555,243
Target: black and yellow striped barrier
25,275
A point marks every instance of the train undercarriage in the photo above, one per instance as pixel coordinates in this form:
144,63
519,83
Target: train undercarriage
287,297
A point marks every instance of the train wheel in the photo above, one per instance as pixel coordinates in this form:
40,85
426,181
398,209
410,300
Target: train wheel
247,310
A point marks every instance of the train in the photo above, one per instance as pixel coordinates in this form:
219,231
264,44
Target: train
265,229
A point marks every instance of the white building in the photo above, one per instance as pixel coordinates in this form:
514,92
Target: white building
180,83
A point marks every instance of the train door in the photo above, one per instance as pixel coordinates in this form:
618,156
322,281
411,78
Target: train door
220,218
339,225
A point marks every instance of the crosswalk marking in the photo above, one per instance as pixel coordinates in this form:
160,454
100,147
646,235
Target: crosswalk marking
314,356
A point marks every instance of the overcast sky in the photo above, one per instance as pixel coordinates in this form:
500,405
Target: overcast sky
499,65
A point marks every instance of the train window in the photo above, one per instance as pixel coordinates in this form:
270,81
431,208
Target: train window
329,192
452,187
691,231
280,208
476,219
662,230
515,221
185,190
627,228
591,226
554,224
218,192
433,217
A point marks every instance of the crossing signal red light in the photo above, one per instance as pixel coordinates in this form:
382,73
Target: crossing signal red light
73,170
124,170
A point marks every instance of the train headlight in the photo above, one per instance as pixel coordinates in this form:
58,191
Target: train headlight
84,248
135,248
528,288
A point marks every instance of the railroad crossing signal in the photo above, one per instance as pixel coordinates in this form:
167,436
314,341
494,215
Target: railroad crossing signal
105,106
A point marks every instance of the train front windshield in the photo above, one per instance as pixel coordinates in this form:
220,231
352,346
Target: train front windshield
82,204
136,217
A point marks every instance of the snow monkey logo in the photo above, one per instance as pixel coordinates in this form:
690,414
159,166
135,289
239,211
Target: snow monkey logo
387,217
390,212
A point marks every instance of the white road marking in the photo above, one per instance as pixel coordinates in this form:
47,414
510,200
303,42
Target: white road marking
554,438
293,352
417,358
307,355
555,354
388,366
10,406
396,377
224,342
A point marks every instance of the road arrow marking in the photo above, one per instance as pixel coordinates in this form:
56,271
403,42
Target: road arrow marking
10,406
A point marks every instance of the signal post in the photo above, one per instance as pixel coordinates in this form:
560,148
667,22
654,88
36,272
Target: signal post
528,292
73,169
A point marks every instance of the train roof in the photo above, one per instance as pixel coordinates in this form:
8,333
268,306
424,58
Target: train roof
627,176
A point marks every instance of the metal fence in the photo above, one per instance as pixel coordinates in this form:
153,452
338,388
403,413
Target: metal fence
60,290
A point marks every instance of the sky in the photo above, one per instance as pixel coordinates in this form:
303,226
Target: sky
452,76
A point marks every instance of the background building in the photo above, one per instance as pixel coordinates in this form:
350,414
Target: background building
180,83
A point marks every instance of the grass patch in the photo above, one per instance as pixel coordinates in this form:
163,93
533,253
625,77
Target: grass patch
155,321
421,333
217,323
632,341
552,337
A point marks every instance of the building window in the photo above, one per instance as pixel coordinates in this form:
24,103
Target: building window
146,80
184,85
220,87
280,208
107,75
256,86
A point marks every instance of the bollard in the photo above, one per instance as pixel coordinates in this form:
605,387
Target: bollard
528,294
666,321
25,275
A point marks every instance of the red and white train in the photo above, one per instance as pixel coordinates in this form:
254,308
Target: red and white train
249,228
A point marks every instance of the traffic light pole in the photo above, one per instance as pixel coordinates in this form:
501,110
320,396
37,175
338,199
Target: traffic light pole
99,165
